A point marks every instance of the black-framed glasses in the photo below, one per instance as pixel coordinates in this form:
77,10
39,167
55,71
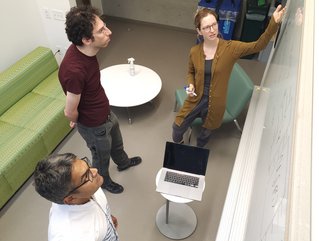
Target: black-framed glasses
86,177
207,29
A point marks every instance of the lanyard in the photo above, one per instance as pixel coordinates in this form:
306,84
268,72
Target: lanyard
107,218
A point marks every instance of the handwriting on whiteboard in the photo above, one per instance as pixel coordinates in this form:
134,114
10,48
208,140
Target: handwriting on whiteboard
268,207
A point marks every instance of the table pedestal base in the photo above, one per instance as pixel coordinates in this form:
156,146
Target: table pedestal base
176,220
129,115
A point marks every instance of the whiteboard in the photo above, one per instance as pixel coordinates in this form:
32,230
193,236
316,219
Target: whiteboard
257,198
268,206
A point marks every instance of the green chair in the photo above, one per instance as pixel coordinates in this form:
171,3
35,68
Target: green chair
240,89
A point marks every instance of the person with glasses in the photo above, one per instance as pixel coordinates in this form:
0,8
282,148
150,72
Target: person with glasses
79,210
87,105
210,64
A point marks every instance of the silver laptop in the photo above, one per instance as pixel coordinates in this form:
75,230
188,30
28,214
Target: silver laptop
183,172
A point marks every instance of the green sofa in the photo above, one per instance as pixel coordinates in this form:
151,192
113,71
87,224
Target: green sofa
32,122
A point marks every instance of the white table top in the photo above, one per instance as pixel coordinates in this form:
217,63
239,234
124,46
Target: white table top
124,90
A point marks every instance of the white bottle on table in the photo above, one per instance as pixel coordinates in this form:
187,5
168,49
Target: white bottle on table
132,67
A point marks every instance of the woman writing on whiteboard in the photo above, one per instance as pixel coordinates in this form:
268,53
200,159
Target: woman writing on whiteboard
210,65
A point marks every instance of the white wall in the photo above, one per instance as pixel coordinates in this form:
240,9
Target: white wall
176,13
23,28
55,28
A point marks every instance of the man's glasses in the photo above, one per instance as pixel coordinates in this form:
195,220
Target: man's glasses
86,177
210,27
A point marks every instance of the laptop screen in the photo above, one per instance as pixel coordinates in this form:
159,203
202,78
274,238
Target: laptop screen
185,158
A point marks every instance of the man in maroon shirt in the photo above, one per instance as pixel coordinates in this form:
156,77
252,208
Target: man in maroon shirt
87,105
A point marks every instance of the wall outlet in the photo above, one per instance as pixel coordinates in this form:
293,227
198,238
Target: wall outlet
58,14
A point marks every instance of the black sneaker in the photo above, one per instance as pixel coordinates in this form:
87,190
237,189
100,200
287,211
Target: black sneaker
113,187
133,162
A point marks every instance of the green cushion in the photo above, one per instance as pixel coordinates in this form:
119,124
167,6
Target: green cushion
40,114
50,87
240,89
20,150
180,97
21,77
5,190
227,117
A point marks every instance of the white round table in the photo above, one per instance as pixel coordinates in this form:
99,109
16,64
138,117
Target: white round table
125,90
175,219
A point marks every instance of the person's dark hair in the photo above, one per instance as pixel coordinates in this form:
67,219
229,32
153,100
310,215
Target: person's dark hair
79,23
202,13
52,177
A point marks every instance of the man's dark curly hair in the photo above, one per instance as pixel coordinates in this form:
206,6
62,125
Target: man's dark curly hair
79,23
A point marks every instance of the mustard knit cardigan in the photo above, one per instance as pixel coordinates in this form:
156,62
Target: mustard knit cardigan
227,53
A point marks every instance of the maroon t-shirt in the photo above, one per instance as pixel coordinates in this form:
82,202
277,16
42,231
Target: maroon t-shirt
80,74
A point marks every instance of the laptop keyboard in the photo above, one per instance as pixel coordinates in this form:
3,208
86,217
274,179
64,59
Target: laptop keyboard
181,179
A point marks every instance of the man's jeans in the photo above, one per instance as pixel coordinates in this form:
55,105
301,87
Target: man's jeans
105,141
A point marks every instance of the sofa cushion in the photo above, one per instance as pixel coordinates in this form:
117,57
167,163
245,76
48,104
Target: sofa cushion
40,114
6,190
20,150
21,77
50,87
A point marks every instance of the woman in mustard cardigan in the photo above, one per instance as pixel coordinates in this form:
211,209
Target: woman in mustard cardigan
209,68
